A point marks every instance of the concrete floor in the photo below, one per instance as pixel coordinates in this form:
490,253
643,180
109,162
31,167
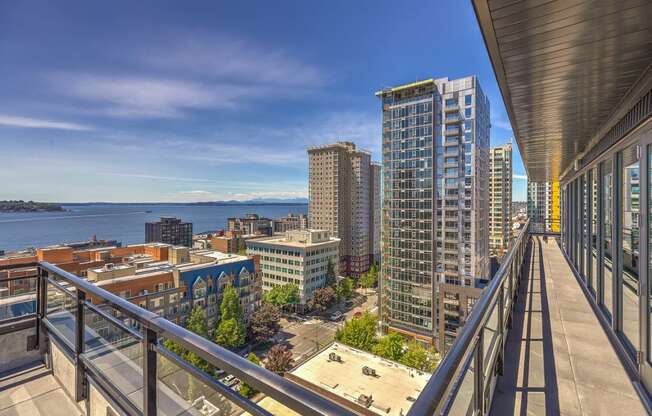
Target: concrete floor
33,390
558,359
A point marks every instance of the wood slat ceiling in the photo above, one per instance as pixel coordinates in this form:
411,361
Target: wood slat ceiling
563,67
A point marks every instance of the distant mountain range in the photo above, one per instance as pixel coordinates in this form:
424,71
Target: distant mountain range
256,201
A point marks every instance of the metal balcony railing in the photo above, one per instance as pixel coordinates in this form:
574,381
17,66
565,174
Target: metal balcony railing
464,381
118,346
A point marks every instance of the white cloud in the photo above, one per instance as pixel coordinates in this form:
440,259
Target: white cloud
224,57
520,177
35,123
148,97
205,196
500,122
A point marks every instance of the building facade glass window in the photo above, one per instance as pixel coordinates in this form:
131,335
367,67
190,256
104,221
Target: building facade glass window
607,240
629,245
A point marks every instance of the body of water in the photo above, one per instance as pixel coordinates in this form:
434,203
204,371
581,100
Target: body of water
122,222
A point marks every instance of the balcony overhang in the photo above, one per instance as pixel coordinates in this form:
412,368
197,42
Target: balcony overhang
566,70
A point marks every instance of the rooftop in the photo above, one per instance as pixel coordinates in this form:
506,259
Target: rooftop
392,390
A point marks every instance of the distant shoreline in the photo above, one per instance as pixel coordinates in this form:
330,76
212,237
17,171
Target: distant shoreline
191,204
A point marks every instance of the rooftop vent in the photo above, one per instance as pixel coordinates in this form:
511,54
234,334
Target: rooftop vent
334,357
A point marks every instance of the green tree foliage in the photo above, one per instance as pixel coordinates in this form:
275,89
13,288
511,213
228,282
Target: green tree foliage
197,324
359,332
245,389
283,295
331,275
417,356
230,305
370,279
230,333
390,347
344,288
264,322
321,299
231,330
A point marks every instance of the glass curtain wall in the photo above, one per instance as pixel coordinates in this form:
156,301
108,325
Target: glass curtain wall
630,201
594,276
607,240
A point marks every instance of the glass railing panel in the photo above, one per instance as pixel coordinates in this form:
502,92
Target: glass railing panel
463,400
61,312
17,298
115,352
180,392
490,336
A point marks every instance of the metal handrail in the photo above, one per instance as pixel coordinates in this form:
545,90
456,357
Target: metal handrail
292,395
435,392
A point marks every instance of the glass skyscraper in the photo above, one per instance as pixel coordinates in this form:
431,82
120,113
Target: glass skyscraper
435,137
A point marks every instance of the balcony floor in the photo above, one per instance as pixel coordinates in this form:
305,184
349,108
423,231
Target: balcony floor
558,359
33,390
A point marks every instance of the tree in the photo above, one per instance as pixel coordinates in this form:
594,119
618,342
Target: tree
390,347
264,322
230,333
279,359
370,279
359,332
283,295
331,276
231,330
417,356
344,288
197,324
321,299
230,305
245,389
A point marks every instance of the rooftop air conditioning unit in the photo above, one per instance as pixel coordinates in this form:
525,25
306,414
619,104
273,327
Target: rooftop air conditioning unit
368,371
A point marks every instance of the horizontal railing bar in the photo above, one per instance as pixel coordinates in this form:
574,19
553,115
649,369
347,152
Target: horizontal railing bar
289,394
12,279
126,307
116,395
225,391
297,398
115,321
435,390
54,333
17,323
19,266
61,287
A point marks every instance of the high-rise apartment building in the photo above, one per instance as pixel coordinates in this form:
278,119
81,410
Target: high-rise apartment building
169,230
376,201
435,210
543,206
500,198
342,201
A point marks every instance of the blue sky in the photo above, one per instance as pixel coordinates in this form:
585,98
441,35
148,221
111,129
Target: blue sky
195,101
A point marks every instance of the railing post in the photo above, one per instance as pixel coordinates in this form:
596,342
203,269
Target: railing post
80,373
42,307
149,372
479,374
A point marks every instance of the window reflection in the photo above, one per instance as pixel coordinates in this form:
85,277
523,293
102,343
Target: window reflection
629,218
607,243
593,175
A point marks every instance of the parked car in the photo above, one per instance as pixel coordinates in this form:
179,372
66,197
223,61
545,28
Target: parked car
336,316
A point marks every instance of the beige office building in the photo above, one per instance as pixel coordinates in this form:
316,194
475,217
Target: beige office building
343,182
500,198
300,257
